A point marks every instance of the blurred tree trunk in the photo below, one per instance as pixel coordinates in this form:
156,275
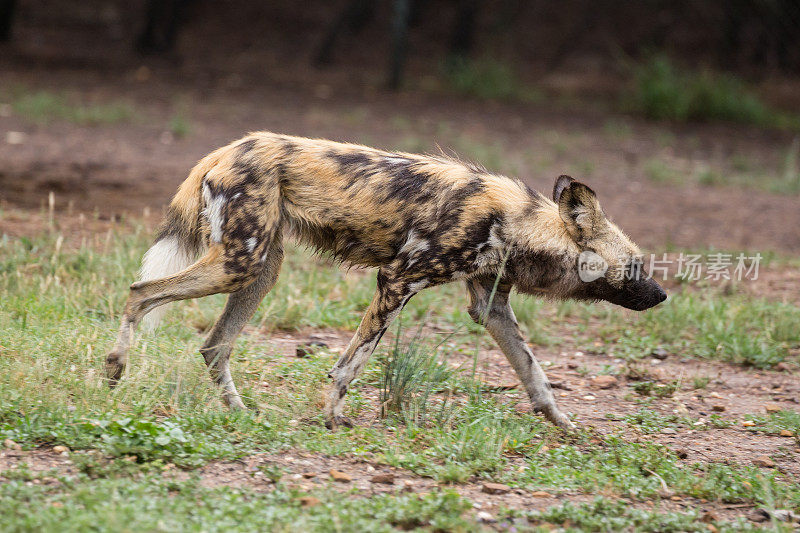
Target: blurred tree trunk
162,21
400,21
355,16
7,8
463,39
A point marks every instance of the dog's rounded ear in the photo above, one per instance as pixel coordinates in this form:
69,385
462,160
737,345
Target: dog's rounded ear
578,207
562,182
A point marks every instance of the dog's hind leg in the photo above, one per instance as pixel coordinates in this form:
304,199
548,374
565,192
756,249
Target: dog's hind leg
240,308
495,313
391,295
208,275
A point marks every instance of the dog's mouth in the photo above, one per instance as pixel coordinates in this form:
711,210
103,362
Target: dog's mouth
639,295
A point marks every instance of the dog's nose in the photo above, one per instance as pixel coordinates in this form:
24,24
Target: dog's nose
662,295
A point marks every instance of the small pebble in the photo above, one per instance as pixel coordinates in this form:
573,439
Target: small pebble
604,382
764,461
309,501
308,348
15,137
336,475
495,488
385,479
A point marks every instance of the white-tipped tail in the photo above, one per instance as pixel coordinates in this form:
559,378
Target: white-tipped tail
165,258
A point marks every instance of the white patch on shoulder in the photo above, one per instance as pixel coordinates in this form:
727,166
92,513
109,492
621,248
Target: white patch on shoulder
494,236
251,244
413,245
491,251
214,212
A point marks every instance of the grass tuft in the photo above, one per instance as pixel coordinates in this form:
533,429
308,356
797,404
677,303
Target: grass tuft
159,503
604,514
487,79
44,107
666,92
412,374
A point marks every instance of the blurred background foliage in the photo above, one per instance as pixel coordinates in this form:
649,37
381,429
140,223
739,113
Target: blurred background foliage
660,58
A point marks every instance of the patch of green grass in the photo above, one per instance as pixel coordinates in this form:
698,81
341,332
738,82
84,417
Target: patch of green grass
617,130
659,390
790,178
485,152
782,180
157,503
649,421
710,177
741,163
742,330
644,470
44,107
185,441
665,92
658,171
487,79
718,422
180,126
21,472
473,440
774,423
604,514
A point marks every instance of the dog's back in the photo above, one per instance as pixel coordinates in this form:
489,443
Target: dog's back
357,203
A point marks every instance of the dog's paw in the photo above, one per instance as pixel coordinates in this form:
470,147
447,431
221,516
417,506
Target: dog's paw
338,421
564,423
115,364
558,418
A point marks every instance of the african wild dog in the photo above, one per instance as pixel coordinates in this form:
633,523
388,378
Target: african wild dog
422,220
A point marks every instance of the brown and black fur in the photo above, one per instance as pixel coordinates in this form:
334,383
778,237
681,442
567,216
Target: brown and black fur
421,220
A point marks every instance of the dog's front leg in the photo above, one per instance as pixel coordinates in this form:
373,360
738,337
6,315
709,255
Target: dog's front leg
392,294
495,313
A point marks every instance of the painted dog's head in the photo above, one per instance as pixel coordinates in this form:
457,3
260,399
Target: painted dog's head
585,256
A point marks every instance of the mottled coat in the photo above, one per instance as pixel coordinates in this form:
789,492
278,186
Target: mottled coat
422,220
